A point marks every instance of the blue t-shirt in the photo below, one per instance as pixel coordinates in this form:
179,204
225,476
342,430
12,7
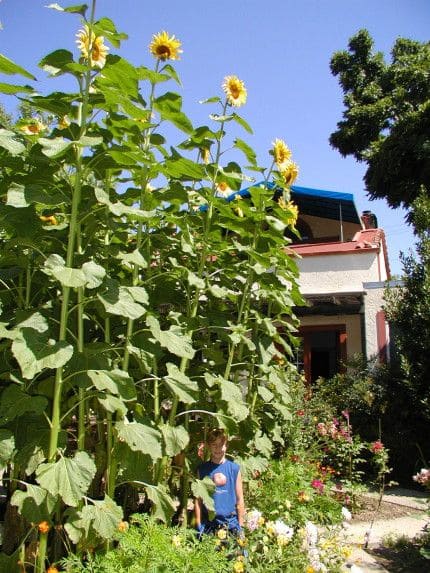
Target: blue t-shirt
224,476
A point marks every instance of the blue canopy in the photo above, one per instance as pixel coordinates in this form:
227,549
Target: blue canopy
316,202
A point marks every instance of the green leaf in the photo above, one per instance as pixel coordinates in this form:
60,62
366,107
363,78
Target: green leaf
59,62
36,504
7,446
34,352
242,122
176,439
263,444
105,27
204,489
214,99
144,73
183,168
231,393
182,386
173,339
104,517
20,196
120,301
13,89
169,107
194,280
9,142
170,70
113,404
247,150
68,478
10,68
78,9
265,394
140,438
15,402
54,148
164,506
94,274
133,258
89,141
114,381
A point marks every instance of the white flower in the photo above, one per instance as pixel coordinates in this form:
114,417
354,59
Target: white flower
346,514
252,519
311,533
282,529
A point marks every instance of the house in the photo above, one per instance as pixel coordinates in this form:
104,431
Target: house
343,263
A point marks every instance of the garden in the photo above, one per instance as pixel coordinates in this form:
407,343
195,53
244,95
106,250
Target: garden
143,302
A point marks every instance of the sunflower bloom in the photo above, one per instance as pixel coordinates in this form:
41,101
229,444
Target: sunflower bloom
92,47
235,90
32,127
281,153
290,172
165,47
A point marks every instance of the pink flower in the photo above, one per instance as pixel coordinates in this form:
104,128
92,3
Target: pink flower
377,446
300,413
318,485
423,477
201,450
322,430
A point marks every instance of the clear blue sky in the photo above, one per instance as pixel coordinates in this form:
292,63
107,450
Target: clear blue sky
281,49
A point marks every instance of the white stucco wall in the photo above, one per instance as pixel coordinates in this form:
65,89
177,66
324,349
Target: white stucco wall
337,273
373,302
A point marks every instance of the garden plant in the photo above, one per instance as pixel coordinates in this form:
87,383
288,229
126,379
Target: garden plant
141,300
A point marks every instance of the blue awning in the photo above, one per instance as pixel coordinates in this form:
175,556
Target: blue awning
315,202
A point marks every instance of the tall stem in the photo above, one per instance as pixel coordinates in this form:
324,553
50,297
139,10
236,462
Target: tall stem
71,243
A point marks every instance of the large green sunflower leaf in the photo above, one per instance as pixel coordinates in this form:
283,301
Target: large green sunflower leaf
7,446
173,339
231,393
15,402
24,195
204,489
169,107
181,386
55,147
34,352
176,439
10,68
120,301
112,404
36,504
182,168
9,142
114,381
104,516
13,89
164,506
68,478
247,150
140,438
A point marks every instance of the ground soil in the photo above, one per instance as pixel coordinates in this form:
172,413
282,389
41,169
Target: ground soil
370,510
398,556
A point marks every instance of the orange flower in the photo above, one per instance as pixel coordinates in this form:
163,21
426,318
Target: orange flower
122,526
52,569
44,527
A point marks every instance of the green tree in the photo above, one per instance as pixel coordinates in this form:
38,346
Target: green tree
5,118
408,310
386,121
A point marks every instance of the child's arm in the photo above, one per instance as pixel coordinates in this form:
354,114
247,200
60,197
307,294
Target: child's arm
198,511
240,504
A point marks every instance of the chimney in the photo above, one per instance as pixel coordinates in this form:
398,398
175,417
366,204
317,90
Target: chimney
369,220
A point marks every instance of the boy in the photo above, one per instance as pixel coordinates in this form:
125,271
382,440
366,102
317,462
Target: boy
228,495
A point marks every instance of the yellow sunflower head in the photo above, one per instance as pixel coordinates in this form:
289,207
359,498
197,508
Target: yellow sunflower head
92,46
31,126
235,90
165,47
290,172
281,153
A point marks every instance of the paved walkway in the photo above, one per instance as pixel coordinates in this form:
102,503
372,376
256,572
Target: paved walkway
359,532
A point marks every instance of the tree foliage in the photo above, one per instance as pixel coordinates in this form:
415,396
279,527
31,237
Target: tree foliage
386,121
408,310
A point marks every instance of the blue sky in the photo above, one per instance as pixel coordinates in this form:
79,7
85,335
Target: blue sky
280,49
